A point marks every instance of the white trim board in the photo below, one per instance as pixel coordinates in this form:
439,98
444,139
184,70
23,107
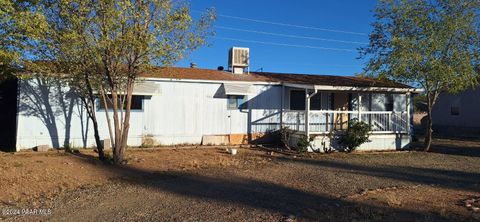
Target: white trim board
302,86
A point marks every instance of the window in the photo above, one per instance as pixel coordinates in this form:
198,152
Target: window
316,102
297,100
234,102
389,101
455,107
137,102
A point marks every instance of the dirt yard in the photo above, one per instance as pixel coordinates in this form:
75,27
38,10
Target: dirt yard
207,184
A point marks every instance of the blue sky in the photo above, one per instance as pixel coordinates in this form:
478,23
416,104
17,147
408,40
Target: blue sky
352,17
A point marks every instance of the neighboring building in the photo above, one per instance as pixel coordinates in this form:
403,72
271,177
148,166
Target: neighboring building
176,106
457,114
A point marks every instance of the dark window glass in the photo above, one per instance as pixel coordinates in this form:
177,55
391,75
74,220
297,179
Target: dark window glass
455,111
316,102
389,102
137,102
297,100
455,106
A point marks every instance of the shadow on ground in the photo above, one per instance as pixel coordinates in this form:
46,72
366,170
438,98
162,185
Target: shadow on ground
277,198
445,178
452,149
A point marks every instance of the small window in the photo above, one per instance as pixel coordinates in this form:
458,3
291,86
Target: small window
234,102
389,101
455,107
137,102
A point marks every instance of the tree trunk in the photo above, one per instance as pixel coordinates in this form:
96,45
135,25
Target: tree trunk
107,116
431,98
90,106
101,153
429,131
117,148
125,126
68,124
126,120
91,114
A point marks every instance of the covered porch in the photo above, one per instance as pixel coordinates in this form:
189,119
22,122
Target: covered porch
316,110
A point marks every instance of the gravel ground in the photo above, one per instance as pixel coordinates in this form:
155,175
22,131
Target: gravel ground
256,186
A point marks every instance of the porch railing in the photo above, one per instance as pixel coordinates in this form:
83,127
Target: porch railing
325,121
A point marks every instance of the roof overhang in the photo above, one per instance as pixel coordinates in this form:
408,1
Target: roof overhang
352,88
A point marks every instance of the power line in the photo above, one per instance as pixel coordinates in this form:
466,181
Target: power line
288,45
287,25
290,36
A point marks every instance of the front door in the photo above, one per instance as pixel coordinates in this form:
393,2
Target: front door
340,103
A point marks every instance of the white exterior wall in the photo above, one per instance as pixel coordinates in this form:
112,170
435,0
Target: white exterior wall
181,113
185,112
378,142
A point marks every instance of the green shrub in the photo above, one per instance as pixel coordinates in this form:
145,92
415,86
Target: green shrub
303,144
356,135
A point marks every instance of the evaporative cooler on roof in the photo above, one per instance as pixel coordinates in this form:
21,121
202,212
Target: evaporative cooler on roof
238,59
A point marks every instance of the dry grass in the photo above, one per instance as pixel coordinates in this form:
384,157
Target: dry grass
393,200
254,185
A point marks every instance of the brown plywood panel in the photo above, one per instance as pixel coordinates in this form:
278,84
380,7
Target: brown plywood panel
340,103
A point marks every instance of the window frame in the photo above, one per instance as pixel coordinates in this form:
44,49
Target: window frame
239,101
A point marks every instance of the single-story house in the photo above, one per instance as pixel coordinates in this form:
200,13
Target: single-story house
179,106
457,114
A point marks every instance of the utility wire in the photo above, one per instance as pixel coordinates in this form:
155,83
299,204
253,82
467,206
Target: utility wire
287,25
288,45
289,36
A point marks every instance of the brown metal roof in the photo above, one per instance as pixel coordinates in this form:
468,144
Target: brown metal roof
329,80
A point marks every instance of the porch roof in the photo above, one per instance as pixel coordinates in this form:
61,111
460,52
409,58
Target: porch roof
353,88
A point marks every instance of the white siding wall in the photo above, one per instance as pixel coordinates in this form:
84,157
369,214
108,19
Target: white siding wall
181,114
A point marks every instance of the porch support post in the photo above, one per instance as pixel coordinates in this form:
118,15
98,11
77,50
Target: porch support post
359,101
407,99
282,105
307,110
307,114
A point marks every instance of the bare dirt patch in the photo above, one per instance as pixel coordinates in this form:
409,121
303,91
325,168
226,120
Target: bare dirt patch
427,198
211,185
28,175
